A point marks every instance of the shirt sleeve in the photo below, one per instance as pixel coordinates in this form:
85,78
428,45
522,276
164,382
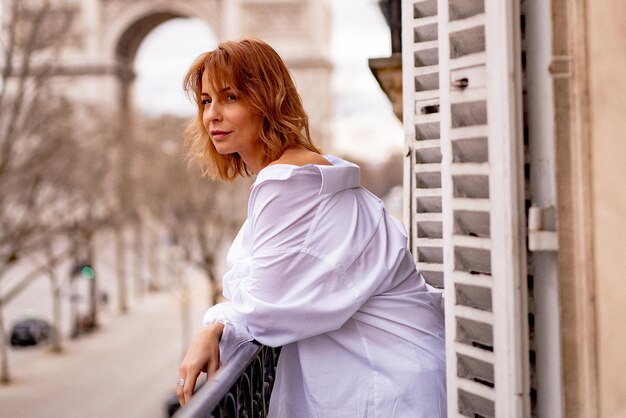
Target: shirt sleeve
291,292
235,331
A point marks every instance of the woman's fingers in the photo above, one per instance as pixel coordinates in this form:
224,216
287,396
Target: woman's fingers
184,380
189,372
190,384
203,355
179,391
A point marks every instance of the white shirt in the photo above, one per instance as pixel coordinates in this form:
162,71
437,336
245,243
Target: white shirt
322,270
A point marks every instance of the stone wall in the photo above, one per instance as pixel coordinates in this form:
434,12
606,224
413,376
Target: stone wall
607,98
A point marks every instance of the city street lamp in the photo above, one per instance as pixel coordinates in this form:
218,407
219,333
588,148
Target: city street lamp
83,271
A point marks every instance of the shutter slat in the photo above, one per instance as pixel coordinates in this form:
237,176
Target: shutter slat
472,279
474,314
465,24
468,95
427,168
428,217
430,266
425,21
429,242
425,118
476,169
428,144
481,205
471,242
478,389
464,132
426,70
428,192
426,95
471,60
473,352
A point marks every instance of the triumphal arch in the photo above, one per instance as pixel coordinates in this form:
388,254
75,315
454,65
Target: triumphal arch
96,64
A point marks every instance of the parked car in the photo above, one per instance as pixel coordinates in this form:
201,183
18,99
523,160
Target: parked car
30,332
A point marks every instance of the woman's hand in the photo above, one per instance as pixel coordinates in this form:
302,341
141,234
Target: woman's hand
203,355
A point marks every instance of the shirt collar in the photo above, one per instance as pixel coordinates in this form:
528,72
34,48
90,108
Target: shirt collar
338,176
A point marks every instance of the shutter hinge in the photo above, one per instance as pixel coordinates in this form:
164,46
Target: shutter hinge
542,234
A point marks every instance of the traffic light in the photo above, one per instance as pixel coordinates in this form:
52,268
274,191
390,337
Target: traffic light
87,272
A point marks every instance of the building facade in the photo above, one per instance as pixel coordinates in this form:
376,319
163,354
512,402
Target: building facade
513,200
96,64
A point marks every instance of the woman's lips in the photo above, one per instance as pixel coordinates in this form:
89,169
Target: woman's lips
218,135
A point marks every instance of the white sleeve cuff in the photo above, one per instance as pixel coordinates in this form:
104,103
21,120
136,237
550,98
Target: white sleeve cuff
235,331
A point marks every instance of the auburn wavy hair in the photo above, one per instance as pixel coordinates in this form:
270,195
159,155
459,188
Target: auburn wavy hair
263,84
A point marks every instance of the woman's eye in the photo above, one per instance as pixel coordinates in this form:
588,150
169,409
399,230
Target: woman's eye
231,97
206,101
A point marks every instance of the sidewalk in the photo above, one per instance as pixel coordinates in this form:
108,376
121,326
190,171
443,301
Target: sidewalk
126,369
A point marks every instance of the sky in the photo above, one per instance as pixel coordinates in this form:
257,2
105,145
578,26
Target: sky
363,124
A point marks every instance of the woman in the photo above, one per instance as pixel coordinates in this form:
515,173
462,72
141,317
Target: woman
319,267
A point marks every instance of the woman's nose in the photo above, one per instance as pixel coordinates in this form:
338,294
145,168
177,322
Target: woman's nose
213,113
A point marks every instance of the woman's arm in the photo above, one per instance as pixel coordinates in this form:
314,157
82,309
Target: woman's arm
301,247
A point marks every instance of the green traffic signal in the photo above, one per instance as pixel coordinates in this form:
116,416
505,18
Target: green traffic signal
87,272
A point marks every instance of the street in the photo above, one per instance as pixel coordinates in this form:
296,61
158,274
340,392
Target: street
125,369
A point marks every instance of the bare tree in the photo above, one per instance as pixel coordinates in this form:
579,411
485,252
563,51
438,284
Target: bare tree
199,215
55,287
37,142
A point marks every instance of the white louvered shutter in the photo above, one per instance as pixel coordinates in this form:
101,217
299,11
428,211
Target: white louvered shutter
465,191
422,131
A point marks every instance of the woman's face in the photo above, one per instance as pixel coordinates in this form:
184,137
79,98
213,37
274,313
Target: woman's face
233,127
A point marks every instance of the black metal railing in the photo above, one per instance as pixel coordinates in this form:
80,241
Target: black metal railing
240,388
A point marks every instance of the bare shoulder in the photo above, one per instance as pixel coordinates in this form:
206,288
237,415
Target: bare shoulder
301,157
